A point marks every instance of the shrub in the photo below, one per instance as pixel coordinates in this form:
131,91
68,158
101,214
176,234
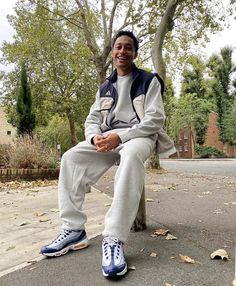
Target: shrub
208,152
58,132
4,155
31,153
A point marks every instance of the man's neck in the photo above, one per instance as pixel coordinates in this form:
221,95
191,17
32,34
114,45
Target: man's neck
121,72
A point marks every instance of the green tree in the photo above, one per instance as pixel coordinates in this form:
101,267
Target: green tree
26,117
222,68
59,62
170,102
195,83
191,112
229,125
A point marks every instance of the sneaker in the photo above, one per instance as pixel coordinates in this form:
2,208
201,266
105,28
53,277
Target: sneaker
68,240
113,261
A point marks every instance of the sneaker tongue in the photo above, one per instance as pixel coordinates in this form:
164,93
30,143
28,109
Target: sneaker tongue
111,240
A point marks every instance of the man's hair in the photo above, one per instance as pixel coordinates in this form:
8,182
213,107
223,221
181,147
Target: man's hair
129,34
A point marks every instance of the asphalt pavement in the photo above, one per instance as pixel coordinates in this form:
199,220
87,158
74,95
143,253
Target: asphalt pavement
198,209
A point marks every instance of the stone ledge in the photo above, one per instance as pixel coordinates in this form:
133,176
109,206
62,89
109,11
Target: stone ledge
28,174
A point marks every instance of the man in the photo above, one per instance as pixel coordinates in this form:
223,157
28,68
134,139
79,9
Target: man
124,124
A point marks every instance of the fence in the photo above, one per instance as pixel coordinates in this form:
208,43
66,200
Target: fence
28,174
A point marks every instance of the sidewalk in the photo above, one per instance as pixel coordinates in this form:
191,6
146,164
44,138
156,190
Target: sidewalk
199,210
29,219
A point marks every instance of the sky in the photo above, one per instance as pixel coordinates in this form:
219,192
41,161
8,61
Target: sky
226,37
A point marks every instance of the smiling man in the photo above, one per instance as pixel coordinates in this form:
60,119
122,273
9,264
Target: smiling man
123,124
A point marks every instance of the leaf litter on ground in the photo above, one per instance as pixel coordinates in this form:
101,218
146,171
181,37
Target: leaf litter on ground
220,254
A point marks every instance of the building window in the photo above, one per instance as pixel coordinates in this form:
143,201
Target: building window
185,133
185,148
8,132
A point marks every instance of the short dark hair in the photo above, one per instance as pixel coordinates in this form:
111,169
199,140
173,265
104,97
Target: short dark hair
129,34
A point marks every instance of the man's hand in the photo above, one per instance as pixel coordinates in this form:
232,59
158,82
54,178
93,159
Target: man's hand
106,143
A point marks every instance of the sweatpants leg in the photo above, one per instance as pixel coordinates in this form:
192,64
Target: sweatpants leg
81,166
129,182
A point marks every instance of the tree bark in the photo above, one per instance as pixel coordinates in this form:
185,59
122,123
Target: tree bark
166,25
74,139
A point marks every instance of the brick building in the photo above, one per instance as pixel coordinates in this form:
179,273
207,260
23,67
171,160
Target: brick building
7,131
212,137
185,144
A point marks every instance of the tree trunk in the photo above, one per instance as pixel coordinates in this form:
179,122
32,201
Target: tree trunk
166,24
74,139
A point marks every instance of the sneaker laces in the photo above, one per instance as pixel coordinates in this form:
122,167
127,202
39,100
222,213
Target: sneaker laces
62,236
110,244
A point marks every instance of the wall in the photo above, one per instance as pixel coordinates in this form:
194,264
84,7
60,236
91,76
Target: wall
7,131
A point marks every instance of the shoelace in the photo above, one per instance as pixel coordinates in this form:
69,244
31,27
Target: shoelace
62,236
112,243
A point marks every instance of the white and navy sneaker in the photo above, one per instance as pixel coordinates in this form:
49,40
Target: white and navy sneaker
68,240
113,261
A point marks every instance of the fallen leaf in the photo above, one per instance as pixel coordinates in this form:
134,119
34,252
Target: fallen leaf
155,190
54,210
142,250
170,237
39,213
23,223
220,253
168,284
207,193
186,259
131,268
149,200
107,205
230,203
160,232
10,247
153,254
44,219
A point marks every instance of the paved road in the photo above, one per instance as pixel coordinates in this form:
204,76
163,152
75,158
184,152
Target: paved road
220,167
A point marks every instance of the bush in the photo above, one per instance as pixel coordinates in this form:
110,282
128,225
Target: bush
209,152
31,153
58,132
4,155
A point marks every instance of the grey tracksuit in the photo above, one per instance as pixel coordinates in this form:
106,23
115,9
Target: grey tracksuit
132,107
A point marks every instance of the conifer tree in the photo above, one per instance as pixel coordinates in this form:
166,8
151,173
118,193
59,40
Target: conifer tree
26,118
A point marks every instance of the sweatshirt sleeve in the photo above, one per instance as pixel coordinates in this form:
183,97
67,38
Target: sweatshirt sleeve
154,116
93,121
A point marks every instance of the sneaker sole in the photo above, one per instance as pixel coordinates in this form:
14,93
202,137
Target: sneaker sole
117,274
82,244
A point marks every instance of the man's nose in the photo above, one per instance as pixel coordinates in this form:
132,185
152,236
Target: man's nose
122,50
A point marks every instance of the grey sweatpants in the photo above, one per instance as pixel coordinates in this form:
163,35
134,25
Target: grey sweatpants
82,166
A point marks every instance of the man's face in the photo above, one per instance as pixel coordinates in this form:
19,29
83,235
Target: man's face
123,52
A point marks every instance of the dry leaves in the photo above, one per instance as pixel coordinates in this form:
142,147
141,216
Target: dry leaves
54,210
170,237
148,200
10,247
153,254
26,184
131,268
45,219
220,253
168,284
39,214
160,232
186,259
